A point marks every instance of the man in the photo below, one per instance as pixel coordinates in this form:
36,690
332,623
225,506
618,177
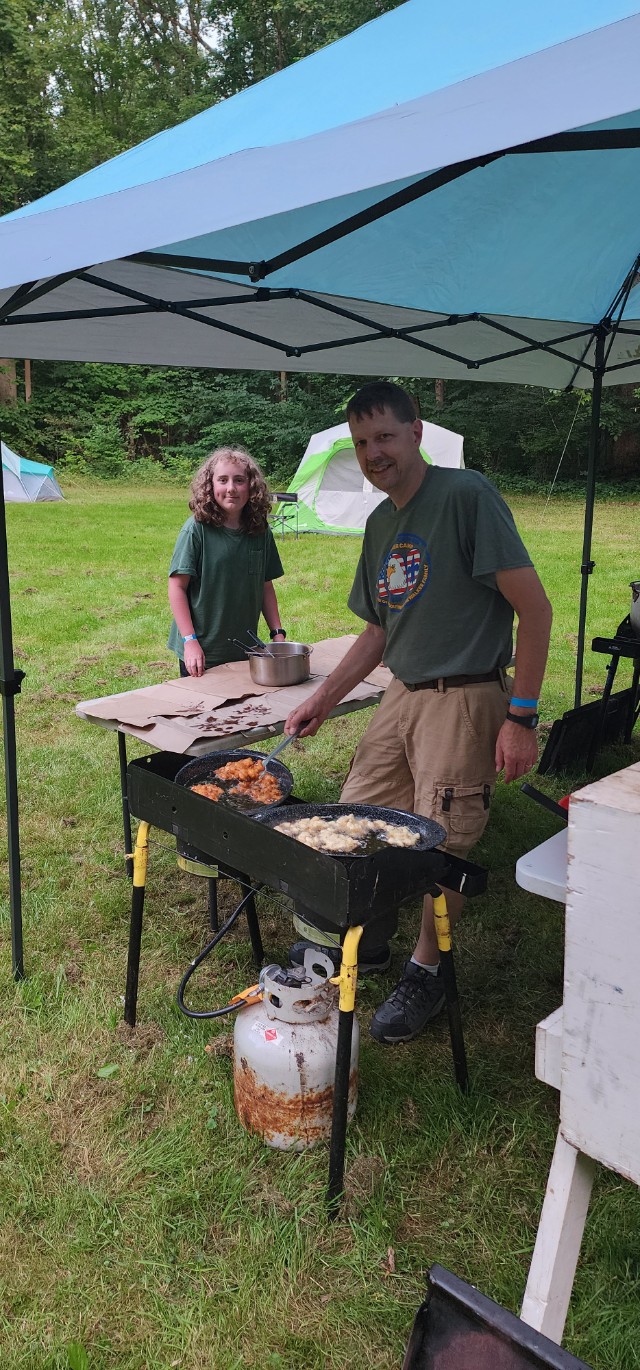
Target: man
441,572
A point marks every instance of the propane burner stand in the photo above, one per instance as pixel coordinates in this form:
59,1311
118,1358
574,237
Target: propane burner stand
344,892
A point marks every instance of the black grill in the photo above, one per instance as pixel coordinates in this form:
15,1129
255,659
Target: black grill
342,890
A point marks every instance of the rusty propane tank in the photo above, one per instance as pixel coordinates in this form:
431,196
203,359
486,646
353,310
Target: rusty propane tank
285,1054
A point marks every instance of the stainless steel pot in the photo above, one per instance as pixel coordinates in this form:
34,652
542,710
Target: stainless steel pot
282,663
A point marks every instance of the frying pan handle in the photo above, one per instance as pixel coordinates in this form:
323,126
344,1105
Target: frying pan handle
545,801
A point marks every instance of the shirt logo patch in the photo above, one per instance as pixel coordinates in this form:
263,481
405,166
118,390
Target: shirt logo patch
404,573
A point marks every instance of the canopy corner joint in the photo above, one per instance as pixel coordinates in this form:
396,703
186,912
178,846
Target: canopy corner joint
13,686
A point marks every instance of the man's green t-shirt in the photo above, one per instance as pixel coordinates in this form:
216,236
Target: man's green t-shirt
228,570
427,576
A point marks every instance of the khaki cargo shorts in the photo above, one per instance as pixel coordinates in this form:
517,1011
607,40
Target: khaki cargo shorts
432,752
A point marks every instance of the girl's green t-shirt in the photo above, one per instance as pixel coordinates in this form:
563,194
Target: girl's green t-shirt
228,569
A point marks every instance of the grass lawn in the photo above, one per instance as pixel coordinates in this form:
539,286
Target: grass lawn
140,1227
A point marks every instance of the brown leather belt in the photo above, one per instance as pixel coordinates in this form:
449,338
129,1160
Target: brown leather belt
449,682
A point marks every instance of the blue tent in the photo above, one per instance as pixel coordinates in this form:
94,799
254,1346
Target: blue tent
27,481
450,191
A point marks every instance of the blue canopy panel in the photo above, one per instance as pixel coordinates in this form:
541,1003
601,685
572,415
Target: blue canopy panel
585,80
546,236
320,92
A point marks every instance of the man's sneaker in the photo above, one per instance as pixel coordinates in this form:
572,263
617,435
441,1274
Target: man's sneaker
417,999
370,963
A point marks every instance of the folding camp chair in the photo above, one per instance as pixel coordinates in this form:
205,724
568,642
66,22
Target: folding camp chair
458,1328
285,512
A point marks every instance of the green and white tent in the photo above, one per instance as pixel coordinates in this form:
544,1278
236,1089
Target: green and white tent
333,496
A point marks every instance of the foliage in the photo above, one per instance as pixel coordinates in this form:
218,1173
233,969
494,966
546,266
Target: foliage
27,155
123,70
258,37
112,420
104,419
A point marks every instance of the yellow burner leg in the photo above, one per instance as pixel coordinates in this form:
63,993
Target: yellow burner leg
348,980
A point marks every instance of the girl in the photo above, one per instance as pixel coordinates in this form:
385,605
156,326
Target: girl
224,563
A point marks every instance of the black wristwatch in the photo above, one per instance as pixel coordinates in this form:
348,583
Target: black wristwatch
273,632
524,720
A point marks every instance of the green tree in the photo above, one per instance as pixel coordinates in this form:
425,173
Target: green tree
123,70
258,37
27,156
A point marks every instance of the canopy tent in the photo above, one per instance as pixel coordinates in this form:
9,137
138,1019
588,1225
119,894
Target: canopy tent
470,215
27,481
332,494
370,212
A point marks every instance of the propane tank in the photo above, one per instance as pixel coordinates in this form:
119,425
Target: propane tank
285,1055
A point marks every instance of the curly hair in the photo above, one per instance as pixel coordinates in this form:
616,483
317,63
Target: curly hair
203,505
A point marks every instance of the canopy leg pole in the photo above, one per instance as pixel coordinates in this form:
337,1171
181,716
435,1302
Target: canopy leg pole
10,682
587,564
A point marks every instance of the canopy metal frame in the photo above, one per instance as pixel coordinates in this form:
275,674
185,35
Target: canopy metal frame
594,360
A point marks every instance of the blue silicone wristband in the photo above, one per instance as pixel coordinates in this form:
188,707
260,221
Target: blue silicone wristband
523,703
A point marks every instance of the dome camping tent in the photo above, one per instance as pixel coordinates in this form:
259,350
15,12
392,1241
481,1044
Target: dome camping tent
26,481
333,496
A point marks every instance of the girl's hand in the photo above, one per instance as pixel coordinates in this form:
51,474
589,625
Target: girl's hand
194,658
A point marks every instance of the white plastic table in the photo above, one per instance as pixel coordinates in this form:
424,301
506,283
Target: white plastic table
543,870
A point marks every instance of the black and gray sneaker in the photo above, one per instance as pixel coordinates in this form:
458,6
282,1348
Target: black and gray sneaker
369,963
417,998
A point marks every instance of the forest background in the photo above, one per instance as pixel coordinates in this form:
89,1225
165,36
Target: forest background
83,80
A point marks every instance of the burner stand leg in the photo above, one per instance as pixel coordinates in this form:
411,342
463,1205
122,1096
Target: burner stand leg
212,884
633,702
348,981
126,815
602,711
253,925
140,859
443,933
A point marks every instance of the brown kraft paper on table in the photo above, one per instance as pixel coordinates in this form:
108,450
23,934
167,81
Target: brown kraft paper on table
167,736
230,681
223,701
140,707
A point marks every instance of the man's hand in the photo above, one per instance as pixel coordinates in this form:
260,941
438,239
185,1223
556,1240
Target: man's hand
362,657
312,713
516,750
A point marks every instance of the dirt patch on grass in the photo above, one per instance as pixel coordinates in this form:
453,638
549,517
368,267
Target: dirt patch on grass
78,1123
221,1045
141,1039
363,1177
73,973
270,1197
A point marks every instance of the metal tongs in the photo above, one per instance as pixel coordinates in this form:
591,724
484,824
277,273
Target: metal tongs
259,643
291,737
260,650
